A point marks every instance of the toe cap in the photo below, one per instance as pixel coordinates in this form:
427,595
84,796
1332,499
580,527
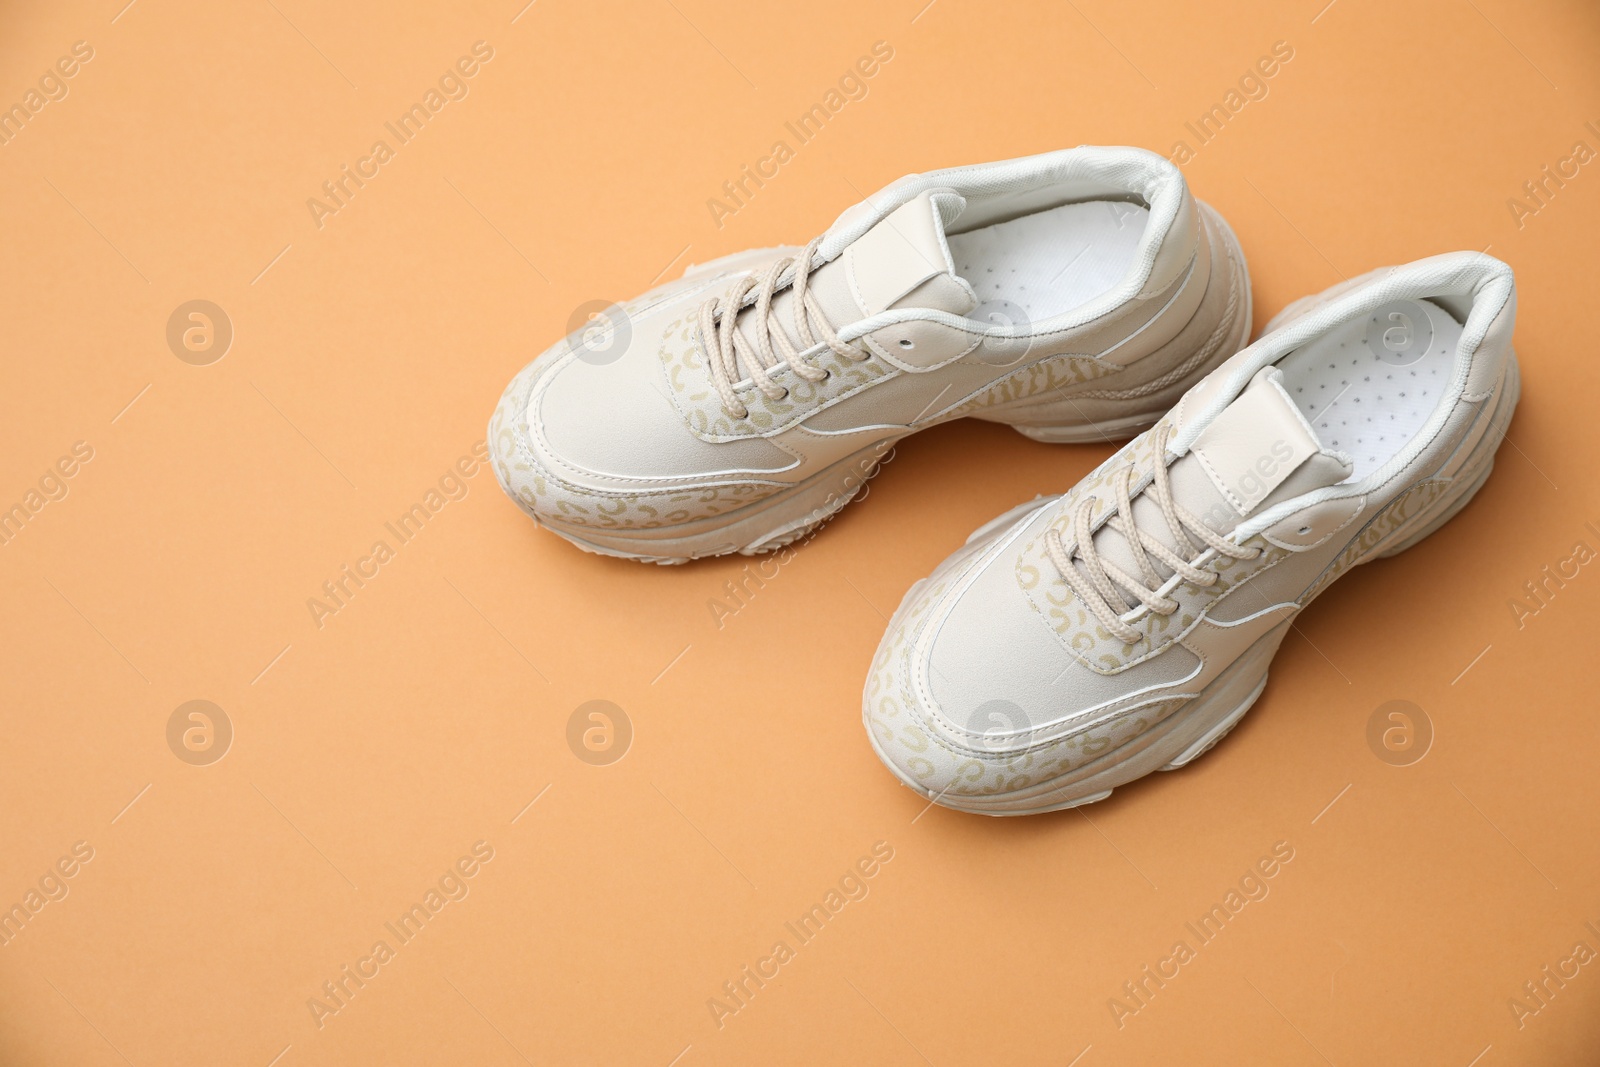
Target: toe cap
587,436
973,702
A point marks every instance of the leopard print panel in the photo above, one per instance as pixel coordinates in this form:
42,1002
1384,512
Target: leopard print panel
1079,628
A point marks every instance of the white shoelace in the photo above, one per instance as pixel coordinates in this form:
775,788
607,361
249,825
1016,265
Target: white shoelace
1100,589
726,348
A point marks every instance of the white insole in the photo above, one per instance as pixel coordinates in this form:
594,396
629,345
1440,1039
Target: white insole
1367,387
1051,261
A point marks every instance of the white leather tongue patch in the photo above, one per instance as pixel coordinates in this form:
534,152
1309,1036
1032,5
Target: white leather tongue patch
1255,443
904,261
1258,451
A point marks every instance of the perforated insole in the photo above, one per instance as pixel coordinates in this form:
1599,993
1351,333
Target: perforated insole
1051,261
1367,387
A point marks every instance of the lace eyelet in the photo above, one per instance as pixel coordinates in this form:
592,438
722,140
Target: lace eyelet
906,342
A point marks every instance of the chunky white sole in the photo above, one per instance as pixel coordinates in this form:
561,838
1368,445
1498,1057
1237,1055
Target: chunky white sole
1195,729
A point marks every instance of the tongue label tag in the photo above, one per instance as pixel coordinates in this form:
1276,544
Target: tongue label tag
1254,445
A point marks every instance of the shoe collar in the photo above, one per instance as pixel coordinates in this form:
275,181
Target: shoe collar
1470,283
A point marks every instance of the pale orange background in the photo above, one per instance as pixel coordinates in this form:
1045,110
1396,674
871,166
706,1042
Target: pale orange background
371,753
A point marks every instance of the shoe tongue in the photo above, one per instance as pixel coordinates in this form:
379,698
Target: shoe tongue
1257,452
902,262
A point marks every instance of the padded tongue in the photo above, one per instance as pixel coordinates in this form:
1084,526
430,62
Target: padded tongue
902,262
1259,448
1258,451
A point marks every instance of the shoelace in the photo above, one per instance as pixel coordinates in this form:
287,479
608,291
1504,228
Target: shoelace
1100,589
726,347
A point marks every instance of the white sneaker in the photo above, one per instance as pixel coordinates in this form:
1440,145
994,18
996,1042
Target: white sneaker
1082,641
1073,295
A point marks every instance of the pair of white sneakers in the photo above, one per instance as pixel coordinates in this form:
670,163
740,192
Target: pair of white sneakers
1080,641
